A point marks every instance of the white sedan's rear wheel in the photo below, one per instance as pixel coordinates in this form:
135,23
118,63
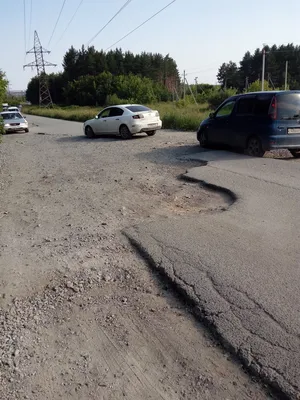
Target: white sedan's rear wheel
295,153
151,133
125,132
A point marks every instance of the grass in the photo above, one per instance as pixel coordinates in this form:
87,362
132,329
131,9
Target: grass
174,115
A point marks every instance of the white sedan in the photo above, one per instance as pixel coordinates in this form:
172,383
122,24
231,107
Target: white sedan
124,120
14,122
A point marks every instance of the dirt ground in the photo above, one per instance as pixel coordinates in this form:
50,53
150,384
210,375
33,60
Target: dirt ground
82,315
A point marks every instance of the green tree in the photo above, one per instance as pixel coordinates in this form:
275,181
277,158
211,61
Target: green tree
89,76
250,69
228,75
3,86
32,92
3,90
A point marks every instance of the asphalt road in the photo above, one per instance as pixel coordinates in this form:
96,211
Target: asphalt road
240,266
81,315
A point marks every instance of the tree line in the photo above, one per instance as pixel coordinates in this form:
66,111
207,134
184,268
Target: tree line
249,69
92,77
3,89
3,86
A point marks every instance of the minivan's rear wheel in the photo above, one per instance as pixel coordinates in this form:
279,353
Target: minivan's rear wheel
203,139
125,133
254,147
89,132
295,153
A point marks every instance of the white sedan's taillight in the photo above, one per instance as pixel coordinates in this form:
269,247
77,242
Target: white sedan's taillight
139,116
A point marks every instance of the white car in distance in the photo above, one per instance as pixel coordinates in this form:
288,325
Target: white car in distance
14,121
124,120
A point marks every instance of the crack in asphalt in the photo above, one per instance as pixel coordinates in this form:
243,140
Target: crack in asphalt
231,303
251,359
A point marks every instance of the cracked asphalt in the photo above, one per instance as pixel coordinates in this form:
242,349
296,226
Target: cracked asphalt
240,266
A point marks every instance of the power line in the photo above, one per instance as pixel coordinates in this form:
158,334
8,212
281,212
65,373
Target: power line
30,21
71,20
117,13
58,18
25,30
135,29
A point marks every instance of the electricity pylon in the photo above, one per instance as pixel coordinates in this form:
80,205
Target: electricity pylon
45,99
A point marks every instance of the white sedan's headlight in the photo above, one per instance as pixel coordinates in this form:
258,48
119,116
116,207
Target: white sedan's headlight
6,125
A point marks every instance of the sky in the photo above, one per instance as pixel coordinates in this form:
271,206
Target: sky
199,35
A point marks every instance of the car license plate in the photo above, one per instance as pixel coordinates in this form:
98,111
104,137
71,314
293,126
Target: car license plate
294,131
152,124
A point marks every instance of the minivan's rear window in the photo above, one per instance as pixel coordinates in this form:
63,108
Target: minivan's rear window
137,108
262,104
288,106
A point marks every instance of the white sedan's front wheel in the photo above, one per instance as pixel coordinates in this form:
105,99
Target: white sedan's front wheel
125,132
89,132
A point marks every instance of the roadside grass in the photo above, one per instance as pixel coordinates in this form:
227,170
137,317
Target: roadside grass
174,115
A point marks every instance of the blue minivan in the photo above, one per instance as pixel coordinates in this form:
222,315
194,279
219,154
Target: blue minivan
255,122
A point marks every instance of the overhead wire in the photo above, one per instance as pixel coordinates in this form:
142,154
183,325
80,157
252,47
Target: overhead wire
117,13
25,29
143,23
30,22
58,18
71,20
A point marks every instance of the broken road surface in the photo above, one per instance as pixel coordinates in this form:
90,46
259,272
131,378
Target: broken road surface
241,266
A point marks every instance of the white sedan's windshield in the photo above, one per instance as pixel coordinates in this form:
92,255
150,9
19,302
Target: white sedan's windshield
11,115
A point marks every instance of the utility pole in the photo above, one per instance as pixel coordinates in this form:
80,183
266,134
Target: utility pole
184,79
196,85
263,69
45,99
286,75
191,92
246,83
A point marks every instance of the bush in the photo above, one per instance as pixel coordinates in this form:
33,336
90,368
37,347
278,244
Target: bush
113,100
181,122
256,86
216,97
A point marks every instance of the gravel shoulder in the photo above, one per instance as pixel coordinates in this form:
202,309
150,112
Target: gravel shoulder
82,316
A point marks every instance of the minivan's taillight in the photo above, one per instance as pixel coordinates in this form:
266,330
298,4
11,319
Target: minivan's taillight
273,108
